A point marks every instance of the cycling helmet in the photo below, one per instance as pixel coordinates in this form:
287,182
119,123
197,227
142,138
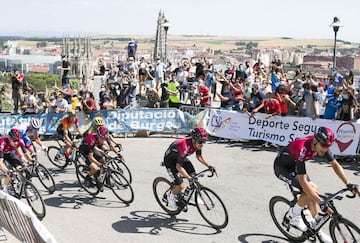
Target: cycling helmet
35,123
199,133
99,121
14,134
71,113
325,136
102,132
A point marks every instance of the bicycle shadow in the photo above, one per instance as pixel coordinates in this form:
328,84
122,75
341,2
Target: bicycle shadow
75,200
153,222
258,237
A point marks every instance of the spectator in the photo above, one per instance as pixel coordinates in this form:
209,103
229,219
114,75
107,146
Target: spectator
226,97
276,65
16,83
174,99
102,94
153,97
270,104
66,67
109,103
88,103
30,103
258,66
332,104
321,98
349,76
347,107
66,91
60,105
143,73
150,80
132,47
296,98
310,99
205,94
282,96
165,95
159,73
338,78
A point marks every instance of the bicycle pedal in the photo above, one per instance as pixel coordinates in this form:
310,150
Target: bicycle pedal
185,209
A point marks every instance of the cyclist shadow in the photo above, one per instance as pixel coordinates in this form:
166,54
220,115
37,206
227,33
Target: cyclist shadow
258,237
78,199
149,222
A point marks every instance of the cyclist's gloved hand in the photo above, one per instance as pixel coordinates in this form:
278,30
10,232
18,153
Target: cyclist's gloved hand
212,168
324,206
119,146
78,136
353,187
10,173
44,148
73,145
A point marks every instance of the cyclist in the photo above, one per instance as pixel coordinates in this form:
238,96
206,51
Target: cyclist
31,129
97,122
289,166
92,148
12,149
63,132
176,161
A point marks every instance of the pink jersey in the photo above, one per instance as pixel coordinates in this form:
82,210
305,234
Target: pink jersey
300,149
5,146
91,140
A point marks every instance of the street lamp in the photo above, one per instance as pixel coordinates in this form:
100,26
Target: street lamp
336,26
166,26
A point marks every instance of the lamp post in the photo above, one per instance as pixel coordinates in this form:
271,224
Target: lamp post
166,26
336,26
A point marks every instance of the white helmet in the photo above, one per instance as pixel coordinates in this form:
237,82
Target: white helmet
35,123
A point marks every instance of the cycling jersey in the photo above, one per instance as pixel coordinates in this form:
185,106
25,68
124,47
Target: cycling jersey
66,123
26,131
6,147
290,161
88,145
180,149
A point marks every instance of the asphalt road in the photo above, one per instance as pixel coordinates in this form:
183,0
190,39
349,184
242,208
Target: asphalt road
245,183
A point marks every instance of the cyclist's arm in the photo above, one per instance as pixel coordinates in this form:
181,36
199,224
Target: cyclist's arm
308,189
66,136
202,160
339,171
3,168
78,129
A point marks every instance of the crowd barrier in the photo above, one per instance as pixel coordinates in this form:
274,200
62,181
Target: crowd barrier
19,220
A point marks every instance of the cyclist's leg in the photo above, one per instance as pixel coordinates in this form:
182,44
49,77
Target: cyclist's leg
178,180
14,162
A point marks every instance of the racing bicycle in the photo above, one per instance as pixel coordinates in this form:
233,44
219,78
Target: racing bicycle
340,228
35,169
209,204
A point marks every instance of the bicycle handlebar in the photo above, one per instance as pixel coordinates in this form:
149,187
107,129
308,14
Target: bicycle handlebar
334,195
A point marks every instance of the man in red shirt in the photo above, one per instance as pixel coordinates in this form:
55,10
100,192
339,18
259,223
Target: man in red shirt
204,94
271,105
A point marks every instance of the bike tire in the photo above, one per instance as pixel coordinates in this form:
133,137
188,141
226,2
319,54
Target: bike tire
60,162
121,187
45,178
161,186
81,173
211,208
279,207
120,165
343,230
34,199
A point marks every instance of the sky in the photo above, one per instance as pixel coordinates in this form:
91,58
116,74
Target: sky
305,19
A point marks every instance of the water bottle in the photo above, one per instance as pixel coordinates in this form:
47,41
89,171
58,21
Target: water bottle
186,192
73,156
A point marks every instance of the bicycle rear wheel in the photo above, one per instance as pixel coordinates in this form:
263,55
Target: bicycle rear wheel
161,187
279,208
343,230
211,208
55,159
34,199
90,187
45,178
120,187
120,165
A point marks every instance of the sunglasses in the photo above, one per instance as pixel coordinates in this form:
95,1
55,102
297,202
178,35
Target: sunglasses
201,141
325,145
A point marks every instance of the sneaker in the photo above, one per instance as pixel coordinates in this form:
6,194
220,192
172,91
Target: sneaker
171,201
296,221
324,237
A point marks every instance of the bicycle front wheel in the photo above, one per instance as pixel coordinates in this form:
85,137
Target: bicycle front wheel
343,230
55,159
120,165
45,178
211,208
279,208
34,199
121,187
88,185
161,187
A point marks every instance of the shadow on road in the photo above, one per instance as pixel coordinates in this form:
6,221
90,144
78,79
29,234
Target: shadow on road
263,238
148,222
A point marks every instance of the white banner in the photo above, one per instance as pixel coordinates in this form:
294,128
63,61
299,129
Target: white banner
281,130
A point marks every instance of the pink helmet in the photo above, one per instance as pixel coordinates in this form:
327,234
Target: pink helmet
199,133
102,132
325,136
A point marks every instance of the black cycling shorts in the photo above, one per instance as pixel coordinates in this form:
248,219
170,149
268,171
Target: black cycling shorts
286,172
85,150
171,165
12,160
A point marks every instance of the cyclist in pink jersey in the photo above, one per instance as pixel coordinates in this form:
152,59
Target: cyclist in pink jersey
13,150
176,161
289,166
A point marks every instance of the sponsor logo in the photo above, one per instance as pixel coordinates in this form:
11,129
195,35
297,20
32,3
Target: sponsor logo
345,135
